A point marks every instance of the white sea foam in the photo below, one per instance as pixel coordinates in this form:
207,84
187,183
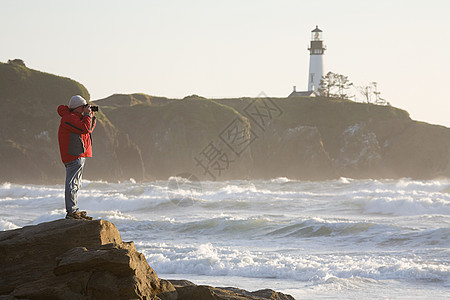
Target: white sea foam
207,259
280,180
345,180
6,225
407,205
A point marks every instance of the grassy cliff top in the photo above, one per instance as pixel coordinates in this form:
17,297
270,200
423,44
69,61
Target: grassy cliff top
30,99
307,110
32,87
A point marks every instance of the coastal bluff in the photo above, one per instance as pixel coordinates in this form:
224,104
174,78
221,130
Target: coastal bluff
78,259
150,138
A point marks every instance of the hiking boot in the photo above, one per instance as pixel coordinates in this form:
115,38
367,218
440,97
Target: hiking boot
85,216
74,215
79,215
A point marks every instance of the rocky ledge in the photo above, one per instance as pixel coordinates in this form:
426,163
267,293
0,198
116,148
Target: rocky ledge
77,259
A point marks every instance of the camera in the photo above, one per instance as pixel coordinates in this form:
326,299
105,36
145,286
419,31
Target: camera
93,107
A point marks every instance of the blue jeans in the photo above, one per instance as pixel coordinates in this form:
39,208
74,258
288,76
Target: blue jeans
74,170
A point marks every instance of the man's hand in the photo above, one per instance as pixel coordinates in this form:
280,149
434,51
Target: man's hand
87,110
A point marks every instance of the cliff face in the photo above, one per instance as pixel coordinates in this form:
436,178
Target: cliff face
299,138
146,138
173,136
29,130
78,259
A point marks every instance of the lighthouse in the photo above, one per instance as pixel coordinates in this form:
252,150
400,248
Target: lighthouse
316,51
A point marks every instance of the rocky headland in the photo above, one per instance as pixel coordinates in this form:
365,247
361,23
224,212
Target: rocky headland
153,138
78,259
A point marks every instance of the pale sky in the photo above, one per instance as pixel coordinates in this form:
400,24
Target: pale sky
236,48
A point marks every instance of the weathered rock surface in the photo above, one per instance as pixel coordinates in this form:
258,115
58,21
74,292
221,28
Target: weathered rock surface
77,259
360,152
188,291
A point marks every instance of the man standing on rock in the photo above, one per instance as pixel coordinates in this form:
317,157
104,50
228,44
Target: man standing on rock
75,144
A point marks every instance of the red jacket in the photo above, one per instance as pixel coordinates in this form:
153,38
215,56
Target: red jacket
74,134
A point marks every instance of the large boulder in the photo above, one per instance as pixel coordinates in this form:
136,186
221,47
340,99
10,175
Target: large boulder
76,259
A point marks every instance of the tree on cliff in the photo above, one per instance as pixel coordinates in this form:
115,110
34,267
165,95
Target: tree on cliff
343,85
327,84
370,94
335,85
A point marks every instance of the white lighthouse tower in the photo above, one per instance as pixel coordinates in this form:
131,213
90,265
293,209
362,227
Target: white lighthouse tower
316,51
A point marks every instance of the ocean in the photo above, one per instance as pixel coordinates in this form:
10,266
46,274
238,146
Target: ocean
336,239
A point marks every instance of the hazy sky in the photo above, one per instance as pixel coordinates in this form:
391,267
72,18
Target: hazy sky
236,48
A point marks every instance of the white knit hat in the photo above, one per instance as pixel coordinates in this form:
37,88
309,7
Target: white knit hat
76,101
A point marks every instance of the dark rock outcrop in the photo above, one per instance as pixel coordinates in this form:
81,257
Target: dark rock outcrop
187,291
77,259
360,152
293,152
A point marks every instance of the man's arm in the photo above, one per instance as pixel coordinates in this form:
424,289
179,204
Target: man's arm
79,125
